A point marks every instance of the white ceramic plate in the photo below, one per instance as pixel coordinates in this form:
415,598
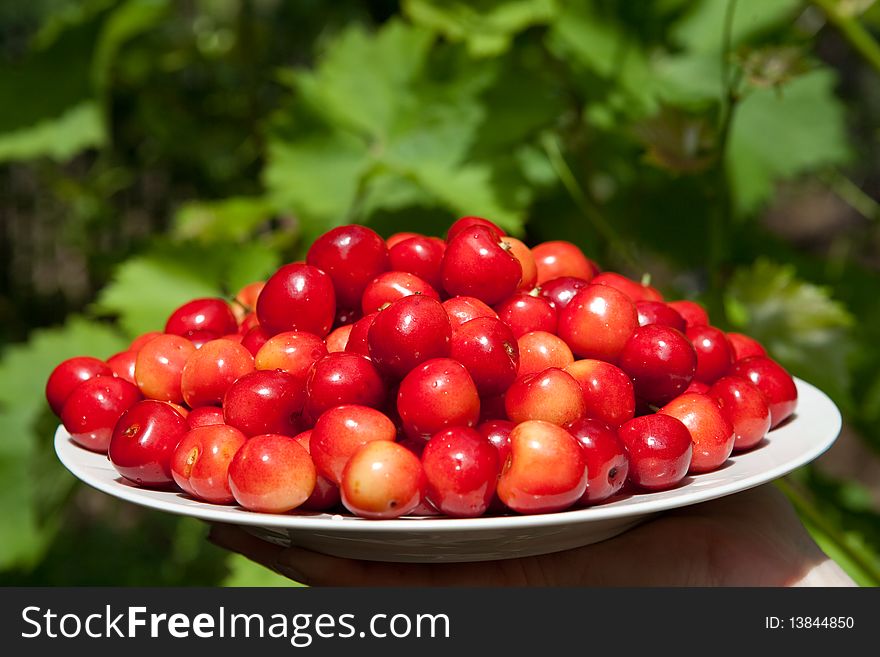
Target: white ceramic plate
432,539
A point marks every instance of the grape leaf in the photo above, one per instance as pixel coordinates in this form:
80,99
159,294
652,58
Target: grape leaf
487,27
798,322
24,369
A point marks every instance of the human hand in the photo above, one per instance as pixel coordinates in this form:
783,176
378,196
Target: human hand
753,538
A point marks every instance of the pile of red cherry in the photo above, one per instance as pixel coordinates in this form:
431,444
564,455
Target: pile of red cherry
417,375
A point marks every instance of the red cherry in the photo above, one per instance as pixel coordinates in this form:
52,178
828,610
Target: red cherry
122,364
143,339
326,493
539,350
93,408
293,352
693,313
338,338
339,432
745,408
466,223
659,448
476,264
597,322
408,332
711,432
497,432
211,315
358,342
660,361
555,259
246,297
391,286
526,261
546,470
464,309
560,291
635,291
487,348
657,312
436,395
205,416
773,381
525,313
271,474
200,464
607,463
552,396
144,440
68,375
382,480
297,297
351,256
265,401
397,238
744,346
461,468
607,391
714,353
254,339
159,367
210,371
343,378
420,256
698,386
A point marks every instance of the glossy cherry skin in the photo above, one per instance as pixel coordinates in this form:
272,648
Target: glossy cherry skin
477,265
466,223
297,297
265,401
293,352
711,432
525,313
122,364
338,338
421,256
271,474
144,440
408,332
659,448
68,374
351,256
205,416
200,463
247,295
607,391
326,493
546,470
210,371
343,378
552,396
526,261
558,258
93,408
539,350
607,462
773,381
714,353
497,432
397,238
247,321
745,408
487,348
391,286
660,361
597,322
693,313
382,480
211,315
143,339
159,367
635,291
657,312
560,291
698,386
358,342
464,309
340,431
254,339
436,395
745,346
461,468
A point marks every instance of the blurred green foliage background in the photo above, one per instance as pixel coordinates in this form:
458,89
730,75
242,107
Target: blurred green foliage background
152,151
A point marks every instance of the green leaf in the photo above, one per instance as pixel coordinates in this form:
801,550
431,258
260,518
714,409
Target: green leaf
230,220
24,369
798,322
251,262
487,27
780,134
703,27
244,572
79,128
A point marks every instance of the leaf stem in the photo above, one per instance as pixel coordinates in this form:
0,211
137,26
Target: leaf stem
853,31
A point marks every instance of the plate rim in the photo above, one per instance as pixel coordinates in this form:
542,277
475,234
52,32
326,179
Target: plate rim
65,450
